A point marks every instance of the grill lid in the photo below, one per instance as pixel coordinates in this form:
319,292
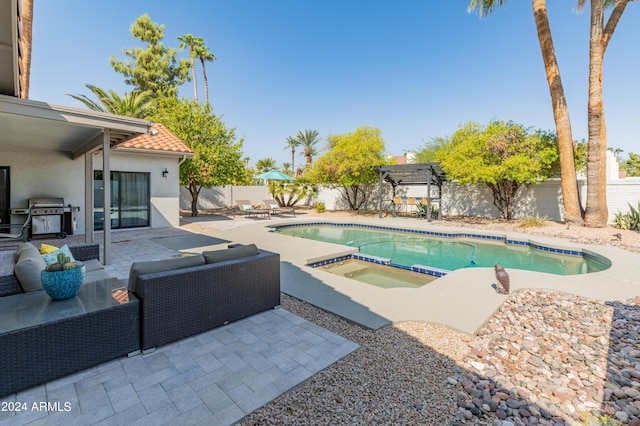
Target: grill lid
47,202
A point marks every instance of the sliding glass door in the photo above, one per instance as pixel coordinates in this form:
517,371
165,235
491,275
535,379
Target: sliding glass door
130,200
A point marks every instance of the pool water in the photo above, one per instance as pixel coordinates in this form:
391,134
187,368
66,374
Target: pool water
408,249
378,275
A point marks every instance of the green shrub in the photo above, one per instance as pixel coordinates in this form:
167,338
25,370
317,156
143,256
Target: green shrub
320,207
629,220
533,222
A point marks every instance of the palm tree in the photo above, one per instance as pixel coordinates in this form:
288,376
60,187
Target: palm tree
202,52
570,194
265,164
596,209
292,143
308,139
597,213
26,39
191,41
135,104
286,167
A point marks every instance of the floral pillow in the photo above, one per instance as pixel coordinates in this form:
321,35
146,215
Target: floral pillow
53,256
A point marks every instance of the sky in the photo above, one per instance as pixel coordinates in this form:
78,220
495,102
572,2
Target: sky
415,69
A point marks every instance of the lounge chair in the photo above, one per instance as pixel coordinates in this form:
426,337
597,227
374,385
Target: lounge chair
274,208
246,208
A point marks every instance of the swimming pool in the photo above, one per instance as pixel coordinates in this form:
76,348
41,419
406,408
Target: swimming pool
437,253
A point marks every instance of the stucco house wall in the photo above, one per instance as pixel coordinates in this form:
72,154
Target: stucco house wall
53,174
164,192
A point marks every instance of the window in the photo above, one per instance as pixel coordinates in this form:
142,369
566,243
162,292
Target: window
130,200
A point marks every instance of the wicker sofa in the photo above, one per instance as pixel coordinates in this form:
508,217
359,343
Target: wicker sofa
214,288
87,253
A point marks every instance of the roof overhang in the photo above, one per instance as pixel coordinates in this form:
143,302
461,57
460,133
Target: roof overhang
33,125
156,152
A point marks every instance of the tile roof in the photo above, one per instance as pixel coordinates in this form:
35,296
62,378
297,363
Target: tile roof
164,141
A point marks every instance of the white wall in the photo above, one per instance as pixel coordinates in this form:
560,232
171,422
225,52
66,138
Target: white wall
543,199
221,196
53,174
44,174
164,191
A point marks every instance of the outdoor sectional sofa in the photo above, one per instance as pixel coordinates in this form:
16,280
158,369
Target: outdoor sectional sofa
184,296
42,340
167,300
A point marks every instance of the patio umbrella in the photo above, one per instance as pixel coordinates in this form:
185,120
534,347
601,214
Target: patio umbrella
273,174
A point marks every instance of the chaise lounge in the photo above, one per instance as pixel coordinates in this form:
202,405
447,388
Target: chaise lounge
247,209
276,209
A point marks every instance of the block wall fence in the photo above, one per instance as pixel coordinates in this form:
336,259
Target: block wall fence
543,199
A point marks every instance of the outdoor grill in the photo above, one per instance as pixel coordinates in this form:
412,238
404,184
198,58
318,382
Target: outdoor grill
50,216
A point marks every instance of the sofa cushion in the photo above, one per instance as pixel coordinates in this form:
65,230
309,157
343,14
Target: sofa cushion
29,264
47,248
238,252
53,256
149,267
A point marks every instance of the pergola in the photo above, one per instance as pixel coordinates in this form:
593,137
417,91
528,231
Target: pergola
414,174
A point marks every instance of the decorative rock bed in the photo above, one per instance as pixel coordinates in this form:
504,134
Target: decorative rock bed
549,358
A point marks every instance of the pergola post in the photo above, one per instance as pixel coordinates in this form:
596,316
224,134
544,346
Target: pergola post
428,195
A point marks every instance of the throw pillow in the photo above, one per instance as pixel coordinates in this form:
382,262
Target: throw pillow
149,267
53,256
274,206
247,207
28,268
46,248
230,253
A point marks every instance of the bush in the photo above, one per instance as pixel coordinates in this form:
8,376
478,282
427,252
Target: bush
320,207
629,220
533,222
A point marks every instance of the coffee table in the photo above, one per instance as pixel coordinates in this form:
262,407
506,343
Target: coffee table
42,339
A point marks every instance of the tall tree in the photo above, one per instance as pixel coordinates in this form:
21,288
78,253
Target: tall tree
292,143
191,41
348,166
631,165
135,104
597,213
218,157
308,139
205,55
504,156
569,181
155,67
26,40
265,164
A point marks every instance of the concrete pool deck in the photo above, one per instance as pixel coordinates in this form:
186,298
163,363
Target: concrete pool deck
463,300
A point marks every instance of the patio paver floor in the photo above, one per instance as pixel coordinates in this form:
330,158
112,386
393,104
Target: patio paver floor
216,377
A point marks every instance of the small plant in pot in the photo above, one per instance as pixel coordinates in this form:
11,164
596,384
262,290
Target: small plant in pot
62,280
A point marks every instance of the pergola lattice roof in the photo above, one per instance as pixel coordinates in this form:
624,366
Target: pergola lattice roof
413,174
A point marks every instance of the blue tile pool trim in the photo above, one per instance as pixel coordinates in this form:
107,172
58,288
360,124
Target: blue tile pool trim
508,241
427,270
